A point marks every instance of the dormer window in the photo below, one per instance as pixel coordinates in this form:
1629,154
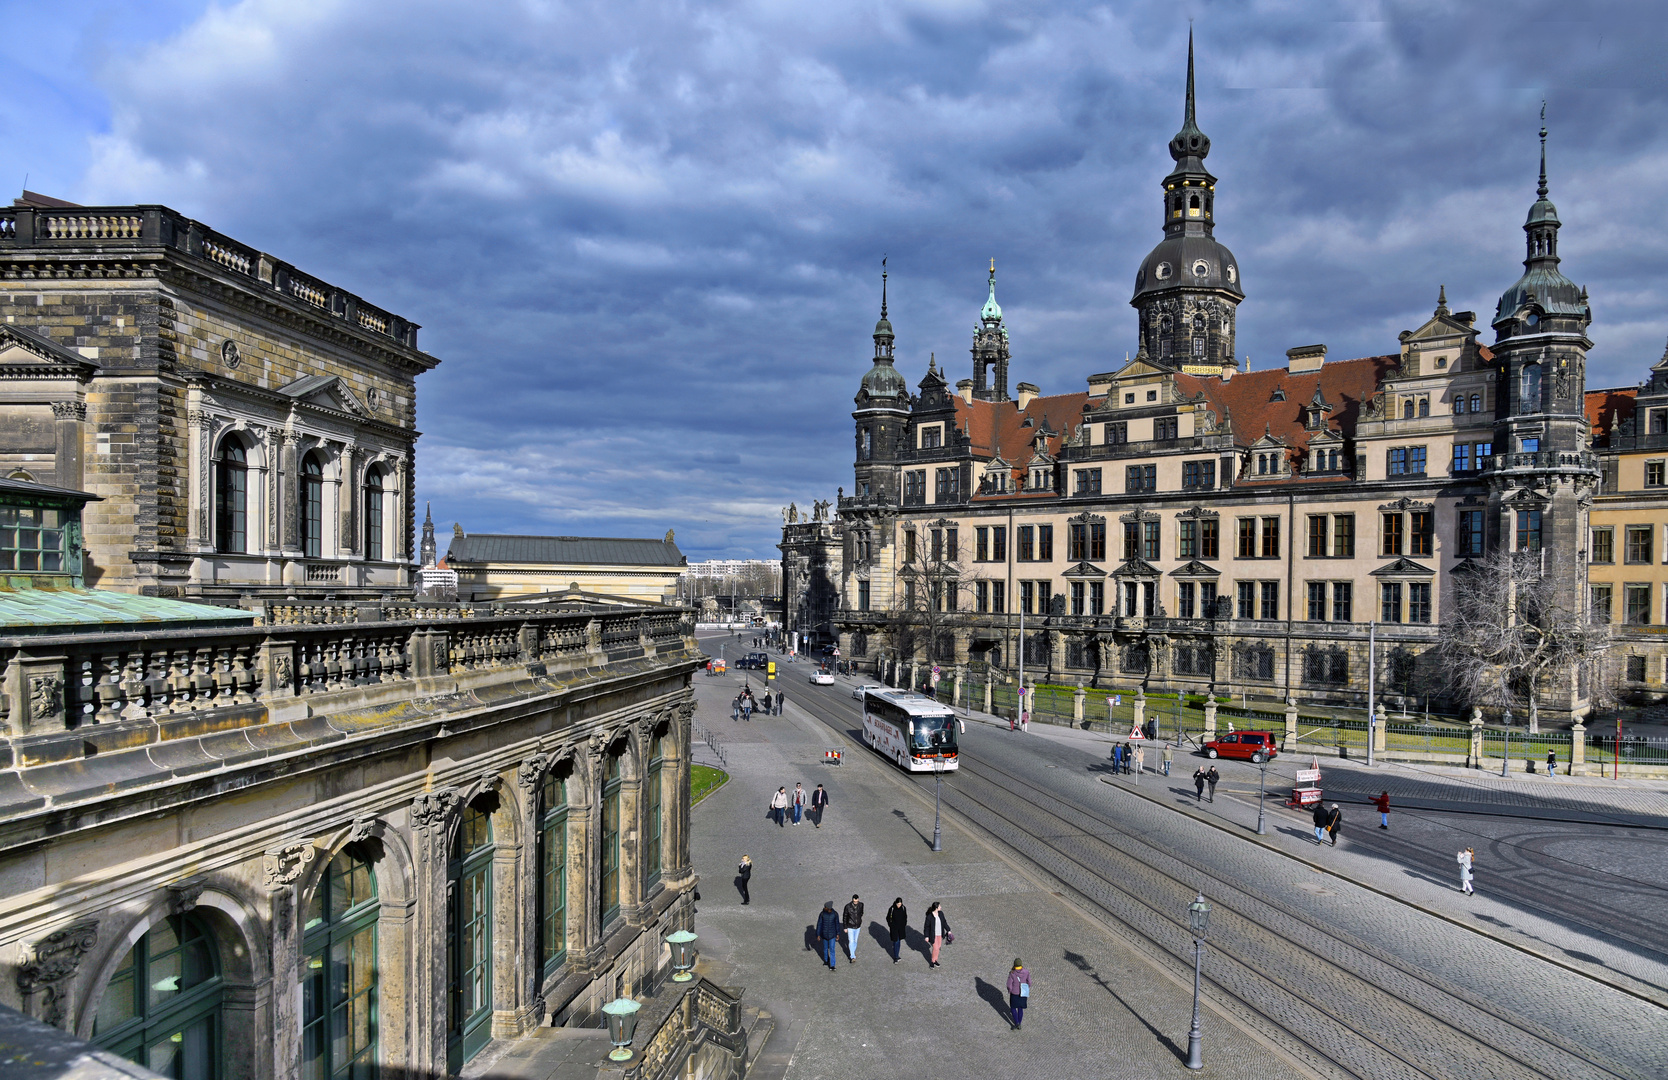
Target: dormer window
1278,395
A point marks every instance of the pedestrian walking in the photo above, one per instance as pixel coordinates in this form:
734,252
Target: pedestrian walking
1117,758
1019,993
1140,760
781,700
747,709
1334,820
897,926
766,703
851,919
936,930
1199,784
1211,778
819,802
1551,762
1166,759
798,802
1466,858
1382,805
828,930
735,708
779,806
1319,817
744,876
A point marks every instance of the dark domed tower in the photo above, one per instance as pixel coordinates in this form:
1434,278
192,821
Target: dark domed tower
1188,290
882,416
1543,474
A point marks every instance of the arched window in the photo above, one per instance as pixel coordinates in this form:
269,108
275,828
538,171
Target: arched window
1193,206
1532,387
1407,409
231,497
1198,323
1424,406
553,869
373,514
1165,324
469,939
312,506
339,973
611,840
652,803
1459,405
161,1008
1476,403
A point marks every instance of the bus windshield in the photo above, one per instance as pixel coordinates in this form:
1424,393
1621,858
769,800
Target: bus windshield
932,732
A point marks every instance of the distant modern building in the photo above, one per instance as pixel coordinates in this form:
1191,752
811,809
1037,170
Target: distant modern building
250,429
496,567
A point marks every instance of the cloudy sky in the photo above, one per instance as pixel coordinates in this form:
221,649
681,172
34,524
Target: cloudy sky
645,238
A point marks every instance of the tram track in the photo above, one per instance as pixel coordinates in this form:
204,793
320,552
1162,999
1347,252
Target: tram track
1368,1013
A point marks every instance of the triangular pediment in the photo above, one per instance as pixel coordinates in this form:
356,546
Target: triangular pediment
1195,568
325,392
1139,367
24,354
1404,568
1084,570
1137,568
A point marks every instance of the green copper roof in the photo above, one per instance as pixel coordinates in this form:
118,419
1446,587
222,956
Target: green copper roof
992,309
68,610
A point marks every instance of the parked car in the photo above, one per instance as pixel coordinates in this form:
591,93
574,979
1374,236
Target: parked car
1255,746
822,678
863,688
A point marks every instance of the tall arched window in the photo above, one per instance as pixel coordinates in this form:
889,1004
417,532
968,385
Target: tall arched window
611,840
161,1008
339,973
1476,403
652,806
553,871
1532,387
231,497
373,514
469,939
312,506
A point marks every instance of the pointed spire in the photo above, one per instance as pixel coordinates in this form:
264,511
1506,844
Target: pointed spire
883,286
1188,120
992,310
1541,191
1189,146
1442,300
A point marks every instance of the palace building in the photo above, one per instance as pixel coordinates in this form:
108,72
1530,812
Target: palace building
1182,523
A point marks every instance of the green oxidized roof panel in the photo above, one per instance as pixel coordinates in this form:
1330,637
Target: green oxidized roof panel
38,610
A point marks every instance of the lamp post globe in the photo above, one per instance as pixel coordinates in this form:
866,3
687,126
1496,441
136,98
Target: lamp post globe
1198,919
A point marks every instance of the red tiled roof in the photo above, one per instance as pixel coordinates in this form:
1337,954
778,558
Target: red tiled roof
998,428
1249,399
1606,407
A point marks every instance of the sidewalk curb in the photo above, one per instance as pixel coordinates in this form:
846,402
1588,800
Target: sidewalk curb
1659,1000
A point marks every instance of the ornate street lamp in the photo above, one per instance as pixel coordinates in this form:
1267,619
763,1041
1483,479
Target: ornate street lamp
683,954
1262,785
622,1025
1198,918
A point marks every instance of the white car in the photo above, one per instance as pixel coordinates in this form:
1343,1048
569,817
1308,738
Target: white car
863,688
821,678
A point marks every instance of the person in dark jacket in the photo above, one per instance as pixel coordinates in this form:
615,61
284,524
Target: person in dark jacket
935,930
1199,784
851,920
1334,819
744,876
1019,993
1552,762
1320,823
828,931
819,802
1212,778
897,926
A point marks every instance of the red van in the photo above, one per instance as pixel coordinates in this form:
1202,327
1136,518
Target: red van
1257,746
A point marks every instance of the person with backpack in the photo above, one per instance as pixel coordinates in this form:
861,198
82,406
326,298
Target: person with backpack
897,926
828,931
1019,993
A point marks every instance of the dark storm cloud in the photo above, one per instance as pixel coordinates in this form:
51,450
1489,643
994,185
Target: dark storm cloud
644,238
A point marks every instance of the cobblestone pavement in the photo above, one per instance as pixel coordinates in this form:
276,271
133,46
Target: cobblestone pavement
1378,985
1103,1009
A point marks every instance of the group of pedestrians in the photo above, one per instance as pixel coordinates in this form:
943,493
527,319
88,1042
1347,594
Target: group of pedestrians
849,922
785,803
1328,819
745,704
1128,756
1203,777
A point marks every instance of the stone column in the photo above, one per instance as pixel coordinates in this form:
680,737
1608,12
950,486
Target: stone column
987,693
432,815
282,868
347,503
1210,718
1290,742
955,696
1578,746
1474,755
529,779
200,480
1077,697
1380,724
287,512
1140,706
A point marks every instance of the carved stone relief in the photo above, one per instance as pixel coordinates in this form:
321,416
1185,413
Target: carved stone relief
283,864
54,962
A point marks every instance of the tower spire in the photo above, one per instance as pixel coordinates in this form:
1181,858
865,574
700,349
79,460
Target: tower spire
883,286
1188,120
1541,190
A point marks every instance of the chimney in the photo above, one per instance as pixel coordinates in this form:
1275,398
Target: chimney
1230,367
964,388
1305,358
1026,393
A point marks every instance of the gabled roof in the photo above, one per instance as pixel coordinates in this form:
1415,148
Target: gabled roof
327,390
998,428
35,354
1347,384
562,551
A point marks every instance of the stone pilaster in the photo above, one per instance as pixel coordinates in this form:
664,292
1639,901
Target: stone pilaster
288,505
432,815
68,458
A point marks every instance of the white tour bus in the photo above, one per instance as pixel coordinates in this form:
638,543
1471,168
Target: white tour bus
913,730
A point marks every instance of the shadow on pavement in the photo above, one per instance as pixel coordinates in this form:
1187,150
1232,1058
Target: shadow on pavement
996,997
1081,964
901,816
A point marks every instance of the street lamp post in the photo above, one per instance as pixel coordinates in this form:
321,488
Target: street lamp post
937,793
1262,784
1198,917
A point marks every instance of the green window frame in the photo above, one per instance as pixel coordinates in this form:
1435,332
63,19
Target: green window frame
373,514
32,538
553,873
339,973
162,1007
654,804
610,865
231,498
469,938
312,506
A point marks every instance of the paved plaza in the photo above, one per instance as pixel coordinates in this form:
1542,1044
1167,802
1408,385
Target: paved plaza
1102,1008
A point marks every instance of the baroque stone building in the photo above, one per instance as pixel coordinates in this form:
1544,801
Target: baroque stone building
349,849
250,428
1184,524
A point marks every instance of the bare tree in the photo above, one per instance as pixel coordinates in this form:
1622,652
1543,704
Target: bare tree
934,594
1518,626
